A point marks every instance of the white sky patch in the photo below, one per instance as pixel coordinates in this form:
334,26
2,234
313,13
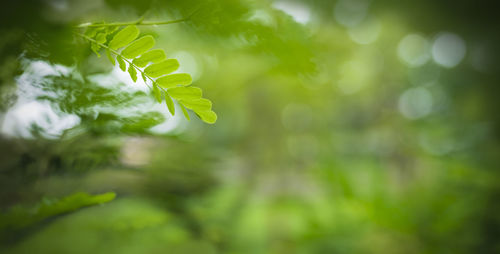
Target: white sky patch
20,118
27,111
298,11
448,50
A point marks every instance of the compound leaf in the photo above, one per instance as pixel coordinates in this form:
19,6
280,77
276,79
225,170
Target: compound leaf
157,68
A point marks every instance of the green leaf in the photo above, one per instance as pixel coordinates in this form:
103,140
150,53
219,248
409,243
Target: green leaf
143,77
174,80
121,63
95,48
198,104
186,93
101,37
157,93
111,29
184,111
124,37
138,47
162,68
170,104
132,72
153,56
207,116
92,31
111,59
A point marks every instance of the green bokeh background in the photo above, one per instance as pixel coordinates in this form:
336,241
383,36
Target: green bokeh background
350,126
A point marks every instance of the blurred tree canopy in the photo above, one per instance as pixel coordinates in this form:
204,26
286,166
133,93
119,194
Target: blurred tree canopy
344,126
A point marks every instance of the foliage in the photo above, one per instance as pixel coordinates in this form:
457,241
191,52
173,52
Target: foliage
152,66
340,128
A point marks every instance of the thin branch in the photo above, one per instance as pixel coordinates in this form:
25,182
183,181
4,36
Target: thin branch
138,22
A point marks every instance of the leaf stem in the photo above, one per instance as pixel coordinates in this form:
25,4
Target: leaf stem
118,54
138,22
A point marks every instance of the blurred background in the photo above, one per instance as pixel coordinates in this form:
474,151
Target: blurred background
349,126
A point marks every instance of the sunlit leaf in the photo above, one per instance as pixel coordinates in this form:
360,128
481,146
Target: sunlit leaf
186,93
198,104
157,93
162,68
138,47
170,104
184,111
124,37
207,116
152,56
158,69
132,72
174,80
121,63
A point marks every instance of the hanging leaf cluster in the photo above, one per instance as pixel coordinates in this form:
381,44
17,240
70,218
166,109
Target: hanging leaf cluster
135,55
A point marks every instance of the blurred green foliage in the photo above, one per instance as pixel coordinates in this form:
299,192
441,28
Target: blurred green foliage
347,126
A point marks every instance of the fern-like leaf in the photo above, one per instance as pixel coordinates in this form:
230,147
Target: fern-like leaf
153,66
